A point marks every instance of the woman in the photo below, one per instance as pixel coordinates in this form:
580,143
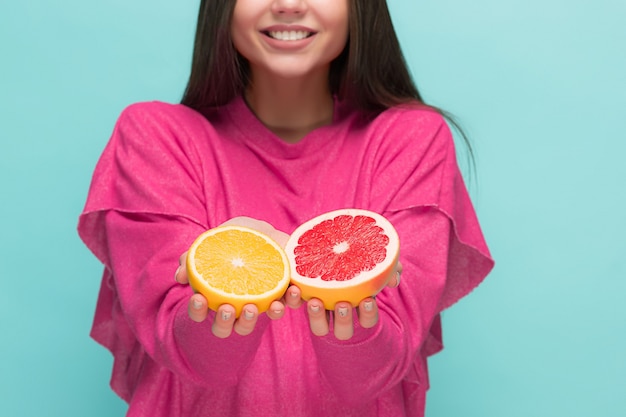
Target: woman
293,108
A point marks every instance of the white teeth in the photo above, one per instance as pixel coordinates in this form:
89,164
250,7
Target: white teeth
285,35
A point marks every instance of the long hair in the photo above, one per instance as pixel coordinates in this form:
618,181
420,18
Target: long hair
370,72
218,72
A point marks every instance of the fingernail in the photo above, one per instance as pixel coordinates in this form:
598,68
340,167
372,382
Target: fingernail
398,275
343,311
294,294
277,311
315,308
196,304
368,305
248,314
176,274
226,315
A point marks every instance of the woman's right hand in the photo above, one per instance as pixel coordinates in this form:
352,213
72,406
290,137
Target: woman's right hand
225,321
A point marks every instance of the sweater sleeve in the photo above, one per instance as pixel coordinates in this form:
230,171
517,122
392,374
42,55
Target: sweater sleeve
417,185
145,206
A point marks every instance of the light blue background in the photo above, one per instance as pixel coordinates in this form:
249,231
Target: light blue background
539,85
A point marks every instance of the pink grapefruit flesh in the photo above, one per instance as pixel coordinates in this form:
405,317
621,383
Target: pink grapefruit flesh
344,255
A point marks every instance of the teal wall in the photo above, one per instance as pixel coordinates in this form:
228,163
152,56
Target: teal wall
539,85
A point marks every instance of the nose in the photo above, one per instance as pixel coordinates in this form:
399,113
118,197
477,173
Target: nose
289,7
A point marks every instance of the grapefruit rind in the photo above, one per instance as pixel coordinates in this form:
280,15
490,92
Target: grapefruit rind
216,296
364,285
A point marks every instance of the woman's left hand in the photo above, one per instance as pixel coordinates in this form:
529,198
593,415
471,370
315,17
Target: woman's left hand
343,325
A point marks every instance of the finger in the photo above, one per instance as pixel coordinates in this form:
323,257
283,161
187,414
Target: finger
292,297
180,276
276,310
343,328
224,321
368,313
176,274
198,309
244,325
394,282
318,320
181,272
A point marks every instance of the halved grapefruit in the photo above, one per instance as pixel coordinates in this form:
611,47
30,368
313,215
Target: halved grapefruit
343,255
237,265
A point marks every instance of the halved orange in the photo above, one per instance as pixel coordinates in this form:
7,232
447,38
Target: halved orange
344,255
237,265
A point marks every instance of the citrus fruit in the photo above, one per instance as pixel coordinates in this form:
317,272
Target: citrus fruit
237,265
344,255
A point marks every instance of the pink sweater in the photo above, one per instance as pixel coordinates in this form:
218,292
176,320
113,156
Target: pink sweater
169,173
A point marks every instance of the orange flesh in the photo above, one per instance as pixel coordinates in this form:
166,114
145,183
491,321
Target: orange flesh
237,266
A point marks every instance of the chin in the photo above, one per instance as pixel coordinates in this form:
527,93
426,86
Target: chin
294,71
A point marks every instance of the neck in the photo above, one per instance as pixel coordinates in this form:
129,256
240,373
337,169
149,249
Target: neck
291,108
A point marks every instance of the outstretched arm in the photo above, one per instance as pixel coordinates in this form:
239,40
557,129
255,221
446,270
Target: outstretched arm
142,259
378,357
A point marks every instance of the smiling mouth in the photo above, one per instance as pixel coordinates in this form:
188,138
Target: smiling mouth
288,35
